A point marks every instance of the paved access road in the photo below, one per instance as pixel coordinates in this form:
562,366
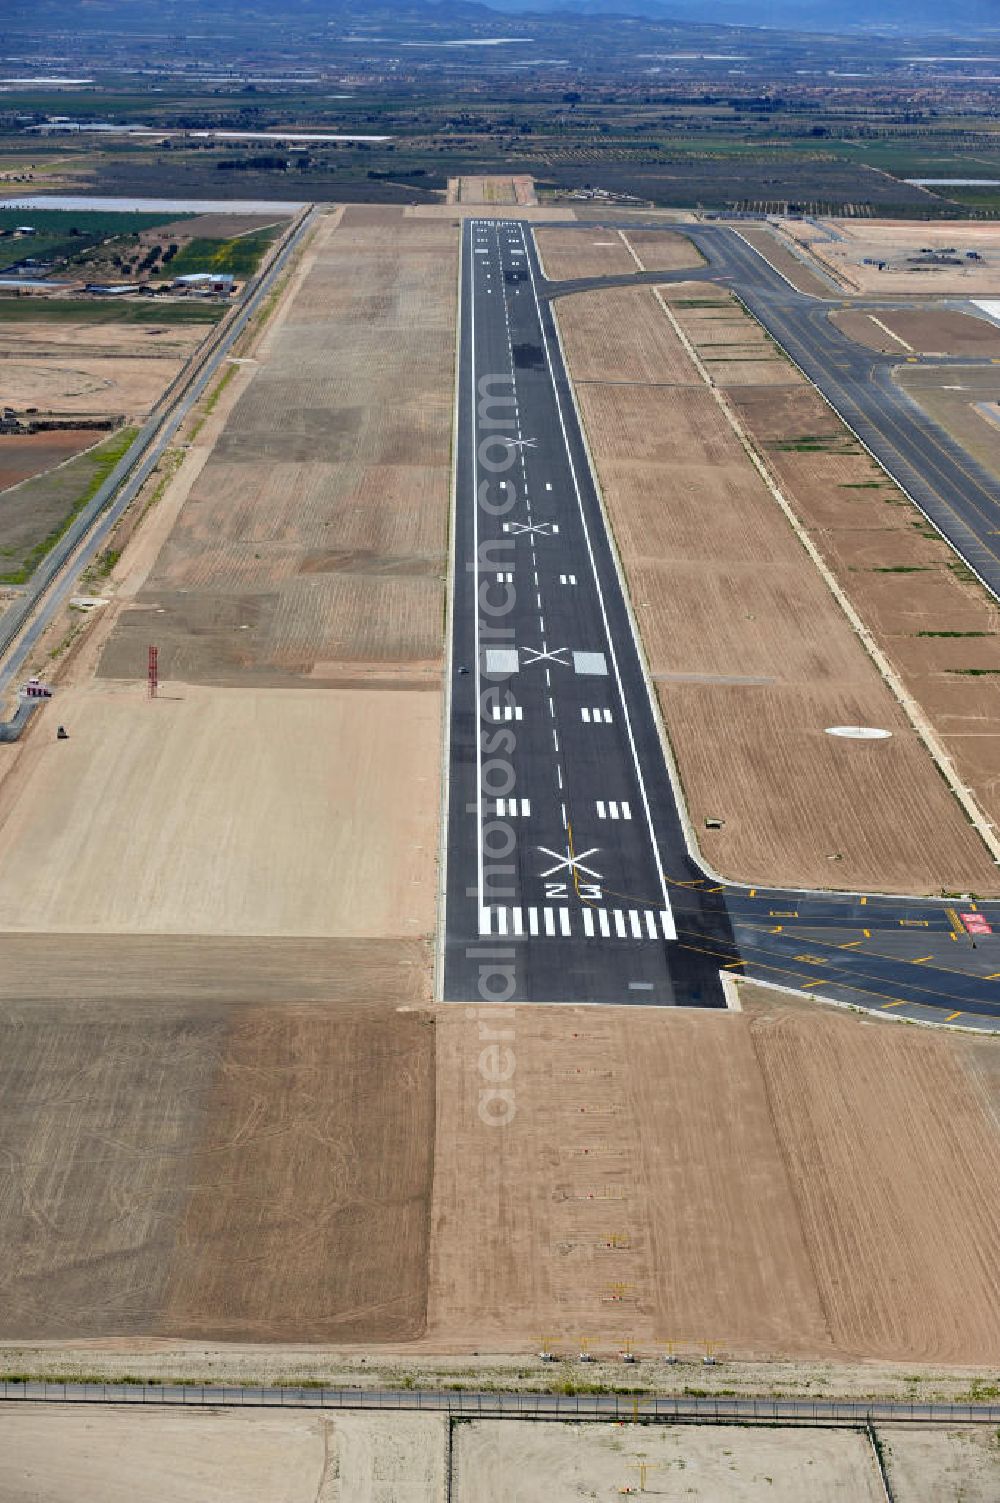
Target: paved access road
491,1404
568,872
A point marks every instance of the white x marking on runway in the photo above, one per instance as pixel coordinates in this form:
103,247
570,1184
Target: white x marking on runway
550,655
572,863
539,527
520,443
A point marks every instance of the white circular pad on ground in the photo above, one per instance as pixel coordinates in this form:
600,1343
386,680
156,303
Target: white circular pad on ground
858,732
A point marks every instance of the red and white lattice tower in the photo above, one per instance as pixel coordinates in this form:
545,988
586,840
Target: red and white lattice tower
153,672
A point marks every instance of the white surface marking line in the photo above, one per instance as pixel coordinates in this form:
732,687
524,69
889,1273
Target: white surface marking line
600,595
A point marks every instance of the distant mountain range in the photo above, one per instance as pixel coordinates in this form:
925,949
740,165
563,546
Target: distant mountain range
956,19
972,17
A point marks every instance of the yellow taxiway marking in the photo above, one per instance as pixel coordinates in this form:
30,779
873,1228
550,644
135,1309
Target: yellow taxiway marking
851,945
753,892
732,964
900,1003
957,928
807,984
914,923
867,933
863,902
994,977
922,960
779,913
778,928
952,1016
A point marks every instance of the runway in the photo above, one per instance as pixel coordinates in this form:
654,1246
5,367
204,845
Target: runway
568,875
567,871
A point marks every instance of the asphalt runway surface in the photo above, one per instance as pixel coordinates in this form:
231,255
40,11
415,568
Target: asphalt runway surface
568,873
569,876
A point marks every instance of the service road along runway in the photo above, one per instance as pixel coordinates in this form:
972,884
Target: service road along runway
568,877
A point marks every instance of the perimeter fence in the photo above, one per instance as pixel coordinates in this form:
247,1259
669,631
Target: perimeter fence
623,1408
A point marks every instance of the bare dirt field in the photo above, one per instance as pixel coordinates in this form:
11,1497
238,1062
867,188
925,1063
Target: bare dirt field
491,190
664,250
786,1179
226,812
521,1462
58,1454
733,347
752,657
65,1454
921,331
566,254
25,454
64,339
354,974
960,1465
220,226
125,386
622,337
938,627
319,522
62,1455
274,1247
254,1171
224,1122
844,245
791,266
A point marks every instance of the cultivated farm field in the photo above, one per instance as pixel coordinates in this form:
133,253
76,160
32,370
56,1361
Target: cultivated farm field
752,657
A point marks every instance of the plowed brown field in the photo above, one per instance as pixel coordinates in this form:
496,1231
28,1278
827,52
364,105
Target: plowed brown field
24,455
754,658
623,337
936,624
567,254
732,346
928,332
319,522
246,1169
786,1179
664,250
127,386
255,812
307,1217
786,262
